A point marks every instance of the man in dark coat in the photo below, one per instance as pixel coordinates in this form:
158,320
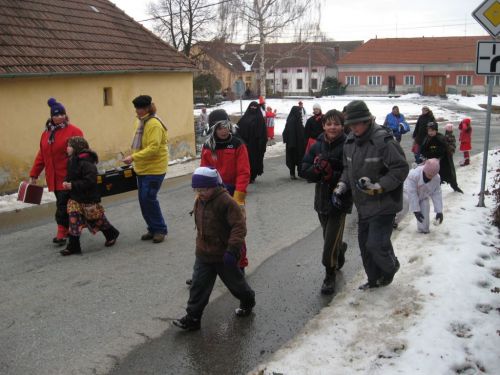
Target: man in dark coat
323,165
314,126
252,129
375,169
420,132
435,146
293,137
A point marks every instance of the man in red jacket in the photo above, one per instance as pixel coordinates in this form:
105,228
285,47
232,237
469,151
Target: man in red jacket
53,158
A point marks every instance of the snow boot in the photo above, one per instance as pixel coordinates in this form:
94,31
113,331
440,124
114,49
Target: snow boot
341,257
464,162
368,285
187,323
328,286
111,234
73,246
60,238
245,308
387,279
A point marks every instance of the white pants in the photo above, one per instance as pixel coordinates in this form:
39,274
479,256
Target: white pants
425,209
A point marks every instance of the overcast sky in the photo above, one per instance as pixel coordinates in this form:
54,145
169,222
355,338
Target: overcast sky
367,19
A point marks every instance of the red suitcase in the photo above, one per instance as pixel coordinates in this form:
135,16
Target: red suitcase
29,193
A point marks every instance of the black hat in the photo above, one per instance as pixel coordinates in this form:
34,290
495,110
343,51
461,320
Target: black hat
142,101
432,125
357,111
216,116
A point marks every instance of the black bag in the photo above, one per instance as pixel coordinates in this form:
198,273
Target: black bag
117,181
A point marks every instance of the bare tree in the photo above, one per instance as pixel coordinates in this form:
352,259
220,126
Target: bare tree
183,22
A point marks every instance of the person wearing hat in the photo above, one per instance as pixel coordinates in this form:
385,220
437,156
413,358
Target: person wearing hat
52,158
422,185
420,131
397,123
84,208
374,171
314,126
220,234
150,159
435,146
465,140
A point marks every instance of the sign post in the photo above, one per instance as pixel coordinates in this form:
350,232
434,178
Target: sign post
239,89
488,57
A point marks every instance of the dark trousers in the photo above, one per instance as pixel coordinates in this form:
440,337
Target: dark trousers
293,160
204,275
333,231
148,188
374,237
62,217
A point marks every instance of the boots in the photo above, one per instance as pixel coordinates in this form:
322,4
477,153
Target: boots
60,238
464,162
341,257
111,234
328,286
387,279
187,323
73,246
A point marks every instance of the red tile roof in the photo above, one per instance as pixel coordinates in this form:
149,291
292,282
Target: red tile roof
442,50
78,36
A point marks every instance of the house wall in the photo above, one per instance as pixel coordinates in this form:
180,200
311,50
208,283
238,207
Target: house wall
109,129
450,71
292,75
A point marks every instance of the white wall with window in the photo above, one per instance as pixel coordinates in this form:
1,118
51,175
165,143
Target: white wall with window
496,81
464,80
409,80
352,80
374,80
295,80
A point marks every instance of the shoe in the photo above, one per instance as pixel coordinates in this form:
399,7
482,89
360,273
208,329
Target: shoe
328,286
62,234
244,309
189,282
458,190
73,247
147,236
159,237
111,235
387,279
368,285
293,177
465,162
341,257
187,323
59,241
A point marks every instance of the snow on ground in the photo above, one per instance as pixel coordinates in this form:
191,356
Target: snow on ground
441,315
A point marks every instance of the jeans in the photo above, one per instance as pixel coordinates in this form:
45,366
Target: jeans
377,253
204,275
148,187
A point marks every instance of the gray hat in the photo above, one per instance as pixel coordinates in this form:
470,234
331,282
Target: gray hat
432,125
357,111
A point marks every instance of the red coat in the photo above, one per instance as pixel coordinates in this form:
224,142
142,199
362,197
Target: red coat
53,158
232,162
465,135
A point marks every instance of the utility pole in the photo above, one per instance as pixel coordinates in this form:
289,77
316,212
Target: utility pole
310,71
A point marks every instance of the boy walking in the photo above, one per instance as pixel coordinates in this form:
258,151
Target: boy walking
221,231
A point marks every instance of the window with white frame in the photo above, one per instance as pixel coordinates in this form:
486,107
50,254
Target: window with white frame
284,83
374,80
464,80
314,83
299,70
299,84
409,80
496,80
352,80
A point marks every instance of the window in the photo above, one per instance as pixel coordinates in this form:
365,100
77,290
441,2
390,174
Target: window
248,79
496,80
314,70
284,70
108,96
409,80
299,70
271,71
284,83
314,83
352,80
299,84
464,80
374,80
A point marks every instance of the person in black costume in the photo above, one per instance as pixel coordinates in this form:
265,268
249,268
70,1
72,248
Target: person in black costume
293,137
420,132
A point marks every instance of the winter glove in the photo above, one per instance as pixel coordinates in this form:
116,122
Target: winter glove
321,165
339,190
439,218
419,216
336,201
239,197
366,186
231,257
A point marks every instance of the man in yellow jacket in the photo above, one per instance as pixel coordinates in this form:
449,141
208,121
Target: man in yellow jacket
150,158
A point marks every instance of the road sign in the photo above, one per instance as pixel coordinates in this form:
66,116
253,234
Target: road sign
488,15
239,87
488,58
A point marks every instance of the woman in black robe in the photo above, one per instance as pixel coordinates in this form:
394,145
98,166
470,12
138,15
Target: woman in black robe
252,129
293,137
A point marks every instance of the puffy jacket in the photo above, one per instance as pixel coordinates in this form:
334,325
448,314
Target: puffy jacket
326,180
465,137
378,156
53,158
82,173
392,122
152,157
418,190
220,225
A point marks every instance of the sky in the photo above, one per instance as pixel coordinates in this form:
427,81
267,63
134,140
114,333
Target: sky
368,19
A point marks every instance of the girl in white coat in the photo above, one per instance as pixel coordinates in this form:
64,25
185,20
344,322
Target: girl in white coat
422,185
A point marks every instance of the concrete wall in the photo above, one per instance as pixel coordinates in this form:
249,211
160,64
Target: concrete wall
109,129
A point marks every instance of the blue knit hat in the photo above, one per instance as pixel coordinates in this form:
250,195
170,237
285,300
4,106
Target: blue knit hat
55,107
204,177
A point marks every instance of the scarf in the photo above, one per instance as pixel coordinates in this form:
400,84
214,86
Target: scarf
52,128
137,141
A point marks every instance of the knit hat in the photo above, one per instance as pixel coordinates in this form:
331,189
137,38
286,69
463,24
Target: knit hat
204,177
55,107
432,125
78,143
216,116
449,127
316,106
431,167
142,101
261,100
357,111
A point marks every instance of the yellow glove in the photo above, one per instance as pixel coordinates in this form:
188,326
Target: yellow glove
239,197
